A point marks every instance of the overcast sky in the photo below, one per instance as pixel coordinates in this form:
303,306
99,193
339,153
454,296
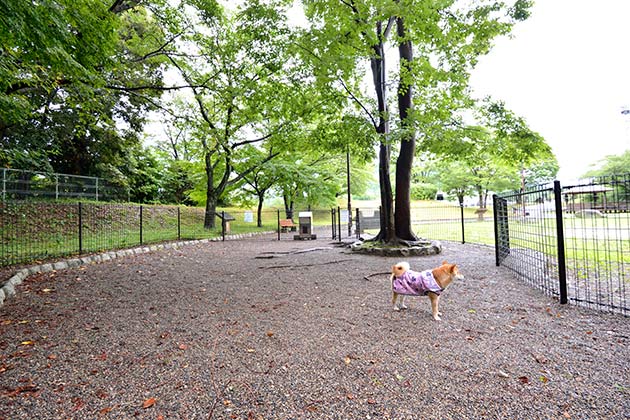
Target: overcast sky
567,72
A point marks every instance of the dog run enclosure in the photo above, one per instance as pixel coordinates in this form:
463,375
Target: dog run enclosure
572,242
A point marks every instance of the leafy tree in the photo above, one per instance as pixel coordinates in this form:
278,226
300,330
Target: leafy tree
47,45
492,160
611,165
243,87
448,36
67,79
260,180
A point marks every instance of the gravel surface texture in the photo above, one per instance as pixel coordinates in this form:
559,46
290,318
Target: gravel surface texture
264,329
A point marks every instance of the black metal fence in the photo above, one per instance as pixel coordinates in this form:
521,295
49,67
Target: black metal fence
437,220
572,242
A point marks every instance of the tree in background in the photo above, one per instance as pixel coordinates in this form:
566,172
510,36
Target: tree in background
496,159
246,89
611,165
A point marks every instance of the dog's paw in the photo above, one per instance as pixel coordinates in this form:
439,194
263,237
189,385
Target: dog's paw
404,307
396,308
437,317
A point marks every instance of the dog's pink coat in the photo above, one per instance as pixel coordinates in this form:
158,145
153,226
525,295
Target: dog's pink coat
416,283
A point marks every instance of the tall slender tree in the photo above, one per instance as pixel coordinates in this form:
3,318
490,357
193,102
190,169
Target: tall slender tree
449,35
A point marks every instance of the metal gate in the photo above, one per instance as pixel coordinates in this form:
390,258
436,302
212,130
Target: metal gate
501,229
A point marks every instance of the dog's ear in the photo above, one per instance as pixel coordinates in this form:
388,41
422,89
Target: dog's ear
452,267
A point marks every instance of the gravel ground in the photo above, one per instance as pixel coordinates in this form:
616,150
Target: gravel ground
255,330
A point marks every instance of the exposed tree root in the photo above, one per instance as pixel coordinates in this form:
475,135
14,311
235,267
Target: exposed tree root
367,278
304,265
272,254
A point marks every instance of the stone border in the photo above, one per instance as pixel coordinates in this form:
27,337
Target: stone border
8,289
432,248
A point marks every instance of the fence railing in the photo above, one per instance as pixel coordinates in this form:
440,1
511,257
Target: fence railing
572,242
18,184
437,220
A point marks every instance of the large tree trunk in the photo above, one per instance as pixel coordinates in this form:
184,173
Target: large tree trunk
211,196
288,206
261,199
377,64
404,163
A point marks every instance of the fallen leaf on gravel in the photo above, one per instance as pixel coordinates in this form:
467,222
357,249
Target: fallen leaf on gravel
371,401
543,379
149,403
250,351
105,410
503,374
347,360
182,347
269,333
27,343
566,415
78,404
311,408
523,379
472,311
25,389
350,396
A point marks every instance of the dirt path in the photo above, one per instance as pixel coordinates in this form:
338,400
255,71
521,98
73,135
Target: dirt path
254,330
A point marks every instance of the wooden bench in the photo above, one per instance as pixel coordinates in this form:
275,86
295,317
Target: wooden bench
286,224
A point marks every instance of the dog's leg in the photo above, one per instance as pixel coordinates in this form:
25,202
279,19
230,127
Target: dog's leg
394,297
434,306
402,302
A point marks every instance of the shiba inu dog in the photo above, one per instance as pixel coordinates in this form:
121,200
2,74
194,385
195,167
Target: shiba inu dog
406,282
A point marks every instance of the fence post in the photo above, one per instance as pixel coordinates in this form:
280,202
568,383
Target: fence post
357,224
278,224
223,225
562,267
334,223
80,228
461,211
141,225
179,224
339,221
